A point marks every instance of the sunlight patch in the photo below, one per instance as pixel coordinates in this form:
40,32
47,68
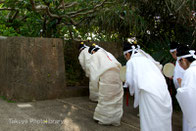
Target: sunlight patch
24,105
68,124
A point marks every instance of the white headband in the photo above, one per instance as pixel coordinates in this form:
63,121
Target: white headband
192,53
133,50
125,52
83,47
93,50
172,50
96,46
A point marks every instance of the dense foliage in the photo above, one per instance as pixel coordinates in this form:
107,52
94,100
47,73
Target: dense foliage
153,22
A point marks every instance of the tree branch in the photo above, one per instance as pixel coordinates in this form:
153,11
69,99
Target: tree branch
70,33
8,9
70,15
14,16
88,12
43,7
76,12
181,6
2,1
52,15
64,5
39,7
70,5
61,5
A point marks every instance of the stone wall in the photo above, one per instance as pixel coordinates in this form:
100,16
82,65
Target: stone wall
34,68
31,68
115,48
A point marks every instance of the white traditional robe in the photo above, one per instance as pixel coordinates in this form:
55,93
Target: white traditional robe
151,58
84,58
186,96
109,109
178,73
150,90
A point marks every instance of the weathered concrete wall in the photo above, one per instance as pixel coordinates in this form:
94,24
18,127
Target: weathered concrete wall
75,76
31,68
114,48
34,68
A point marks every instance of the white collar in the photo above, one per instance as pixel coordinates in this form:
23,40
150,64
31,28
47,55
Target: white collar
193,63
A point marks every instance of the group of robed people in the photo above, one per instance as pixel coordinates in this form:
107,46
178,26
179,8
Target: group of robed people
184,80
145,81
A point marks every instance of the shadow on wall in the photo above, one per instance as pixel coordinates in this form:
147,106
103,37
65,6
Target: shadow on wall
75,76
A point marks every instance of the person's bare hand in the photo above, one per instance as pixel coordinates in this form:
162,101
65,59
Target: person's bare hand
179,81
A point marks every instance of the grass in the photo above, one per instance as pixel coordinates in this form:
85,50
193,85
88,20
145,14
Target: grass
5,99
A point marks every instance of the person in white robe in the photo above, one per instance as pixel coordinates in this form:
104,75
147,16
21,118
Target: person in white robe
178,70
84,58
178,73
106,70
146,82
149,57
186,93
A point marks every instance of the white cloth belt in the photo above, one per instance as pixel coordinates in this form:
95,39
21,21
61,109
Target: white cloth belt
192,54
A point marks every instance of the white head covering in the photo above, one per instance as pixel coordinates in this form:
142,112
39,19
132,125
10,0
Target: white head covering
96,46
191,54
172,50
133,50
84,46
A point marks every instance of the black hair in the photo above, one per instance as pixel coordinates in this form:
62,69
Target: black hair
81,46
174,45
128,46
93,48
184,50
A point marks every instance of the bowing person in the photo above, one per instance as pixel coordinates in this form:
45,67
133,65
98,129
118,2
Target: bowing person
146,82
84,59
105,69
186,93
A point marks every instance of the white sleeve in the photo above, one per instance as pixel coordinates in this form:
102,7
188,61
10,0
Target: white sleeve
131,82
178,73
129,78
186,98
